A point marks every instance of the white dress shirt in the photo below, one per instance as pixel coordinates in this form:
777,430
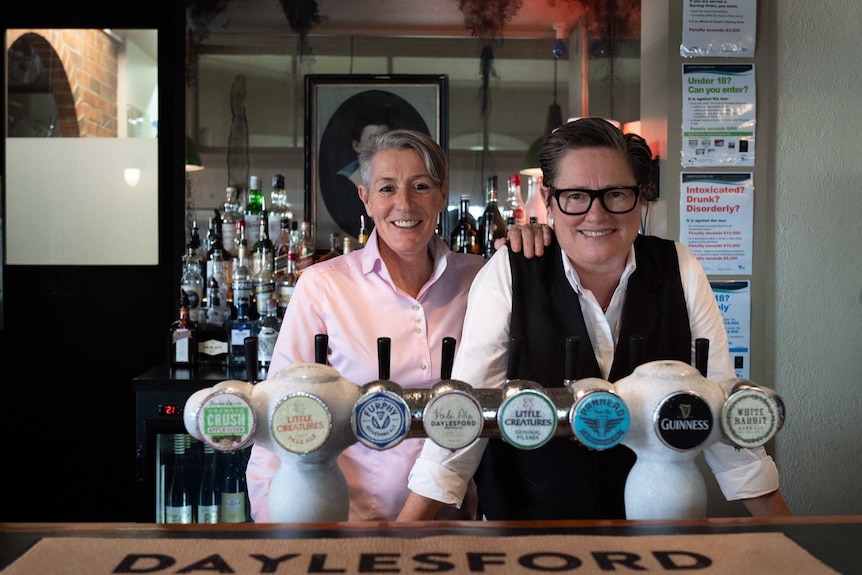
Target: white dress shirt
443,475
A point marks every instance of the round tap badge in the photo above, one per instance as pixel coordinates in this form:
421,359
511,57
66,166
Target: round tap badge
380,419
527,419
453,419
301,423
750,418
683,421
226,421
600,420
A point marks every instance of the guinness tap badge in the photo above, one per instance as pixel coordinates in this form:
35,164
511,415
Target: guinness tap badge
683,421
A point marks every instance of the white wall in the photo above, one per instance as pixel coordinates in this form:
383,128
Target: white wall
807,280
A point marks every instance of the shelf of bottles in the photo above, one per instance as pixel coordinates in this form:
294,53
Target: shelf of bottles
198,484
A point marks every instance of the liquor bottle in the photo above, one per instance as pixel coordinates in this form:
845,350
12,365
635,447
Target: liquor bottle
182,338
213,345
334,247
192,283
305,247
534,205
465,236
215,244
279,207
242,326
514,207
262,250
347,245
492,226
267,333
178,496
285,281
234,493
263,283
231,213
254,208
281,246
362,238
208,493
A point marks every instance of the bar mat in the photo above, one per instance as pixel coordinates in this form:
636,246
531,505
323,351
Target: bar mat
723,554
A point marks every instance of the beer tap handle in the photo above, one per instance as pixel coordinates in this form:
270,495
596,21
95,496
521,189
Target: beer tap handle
448,357
636,351
384,349
321,344
252,369
573,348
701,355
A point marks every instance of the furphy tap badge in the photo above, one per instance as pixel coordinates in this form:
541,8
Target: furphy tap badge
380,419
683,421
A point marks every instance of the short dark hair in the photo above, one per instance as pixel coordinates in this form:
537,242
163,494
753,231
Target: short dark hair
432,154
596,133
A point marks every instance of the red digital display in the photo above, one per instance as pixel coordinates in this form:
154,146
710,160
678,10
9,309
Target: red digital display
170,409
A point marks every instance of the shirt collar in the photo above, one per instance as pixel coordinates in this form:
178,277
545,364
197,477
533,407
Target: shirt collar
572,275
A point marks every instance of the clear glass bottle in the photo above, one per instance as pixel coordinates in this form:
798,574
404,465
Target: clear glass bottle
279,207
262,250
534,203
465,236
213,347
192,283
492,226
231,212
514,206
255,210
242,326
334,247
264,284
285,281
183,338
208,492
267,333
178,496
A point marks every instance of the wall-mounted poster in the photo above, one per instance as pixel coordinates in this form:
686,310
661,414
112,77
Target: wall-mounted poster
718,115
723,28
734,301
717,220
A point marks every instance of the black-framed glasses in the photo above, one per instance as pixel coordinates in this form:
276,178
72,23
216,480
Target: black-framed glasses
615,200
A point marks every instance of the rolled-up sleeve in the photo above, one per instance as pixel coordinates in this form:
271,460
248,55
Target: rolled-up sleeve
742,473
443,474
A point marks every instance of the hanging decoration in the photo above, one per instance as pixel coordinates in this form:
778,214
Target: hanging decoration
302,15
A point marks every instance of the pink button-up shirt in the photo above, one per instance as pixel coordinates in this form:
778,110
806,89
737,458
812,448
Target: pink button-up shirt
353,300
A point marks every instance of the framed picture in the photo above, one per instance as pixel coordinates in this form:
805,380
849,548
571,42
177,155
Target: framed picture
339,109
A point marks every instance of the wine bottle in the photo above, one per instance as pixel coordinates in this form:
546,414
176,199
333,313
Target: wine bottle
178,497
208,494
492,225
182,337
234,507
465,236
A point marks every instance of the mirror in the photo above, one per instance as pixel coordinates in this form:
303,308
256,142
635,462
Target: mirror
81,133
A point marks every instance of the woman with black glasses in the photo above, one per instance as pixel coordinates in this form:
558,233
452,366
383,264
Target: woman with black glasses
599,279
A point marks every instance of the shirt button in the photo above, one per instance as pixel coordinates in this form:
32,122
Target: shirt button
415,306
418,330
417,320
423,367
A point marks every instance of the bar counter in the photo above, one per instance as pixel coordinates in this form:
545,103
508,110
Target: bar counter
833,540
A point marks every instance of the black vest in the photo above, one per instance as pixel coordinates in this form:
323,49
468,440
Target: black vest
563,479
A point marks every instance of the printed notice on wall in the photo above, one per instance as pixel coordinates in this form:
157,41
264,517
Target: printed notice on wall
723,28
717,220
718,115
734,301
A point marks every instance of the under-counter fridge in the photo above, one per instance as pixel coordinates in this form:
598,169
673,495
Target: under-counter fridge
164,446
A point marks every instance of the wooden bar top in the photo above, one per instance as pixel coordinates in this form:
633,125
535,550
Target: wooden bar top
834,540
